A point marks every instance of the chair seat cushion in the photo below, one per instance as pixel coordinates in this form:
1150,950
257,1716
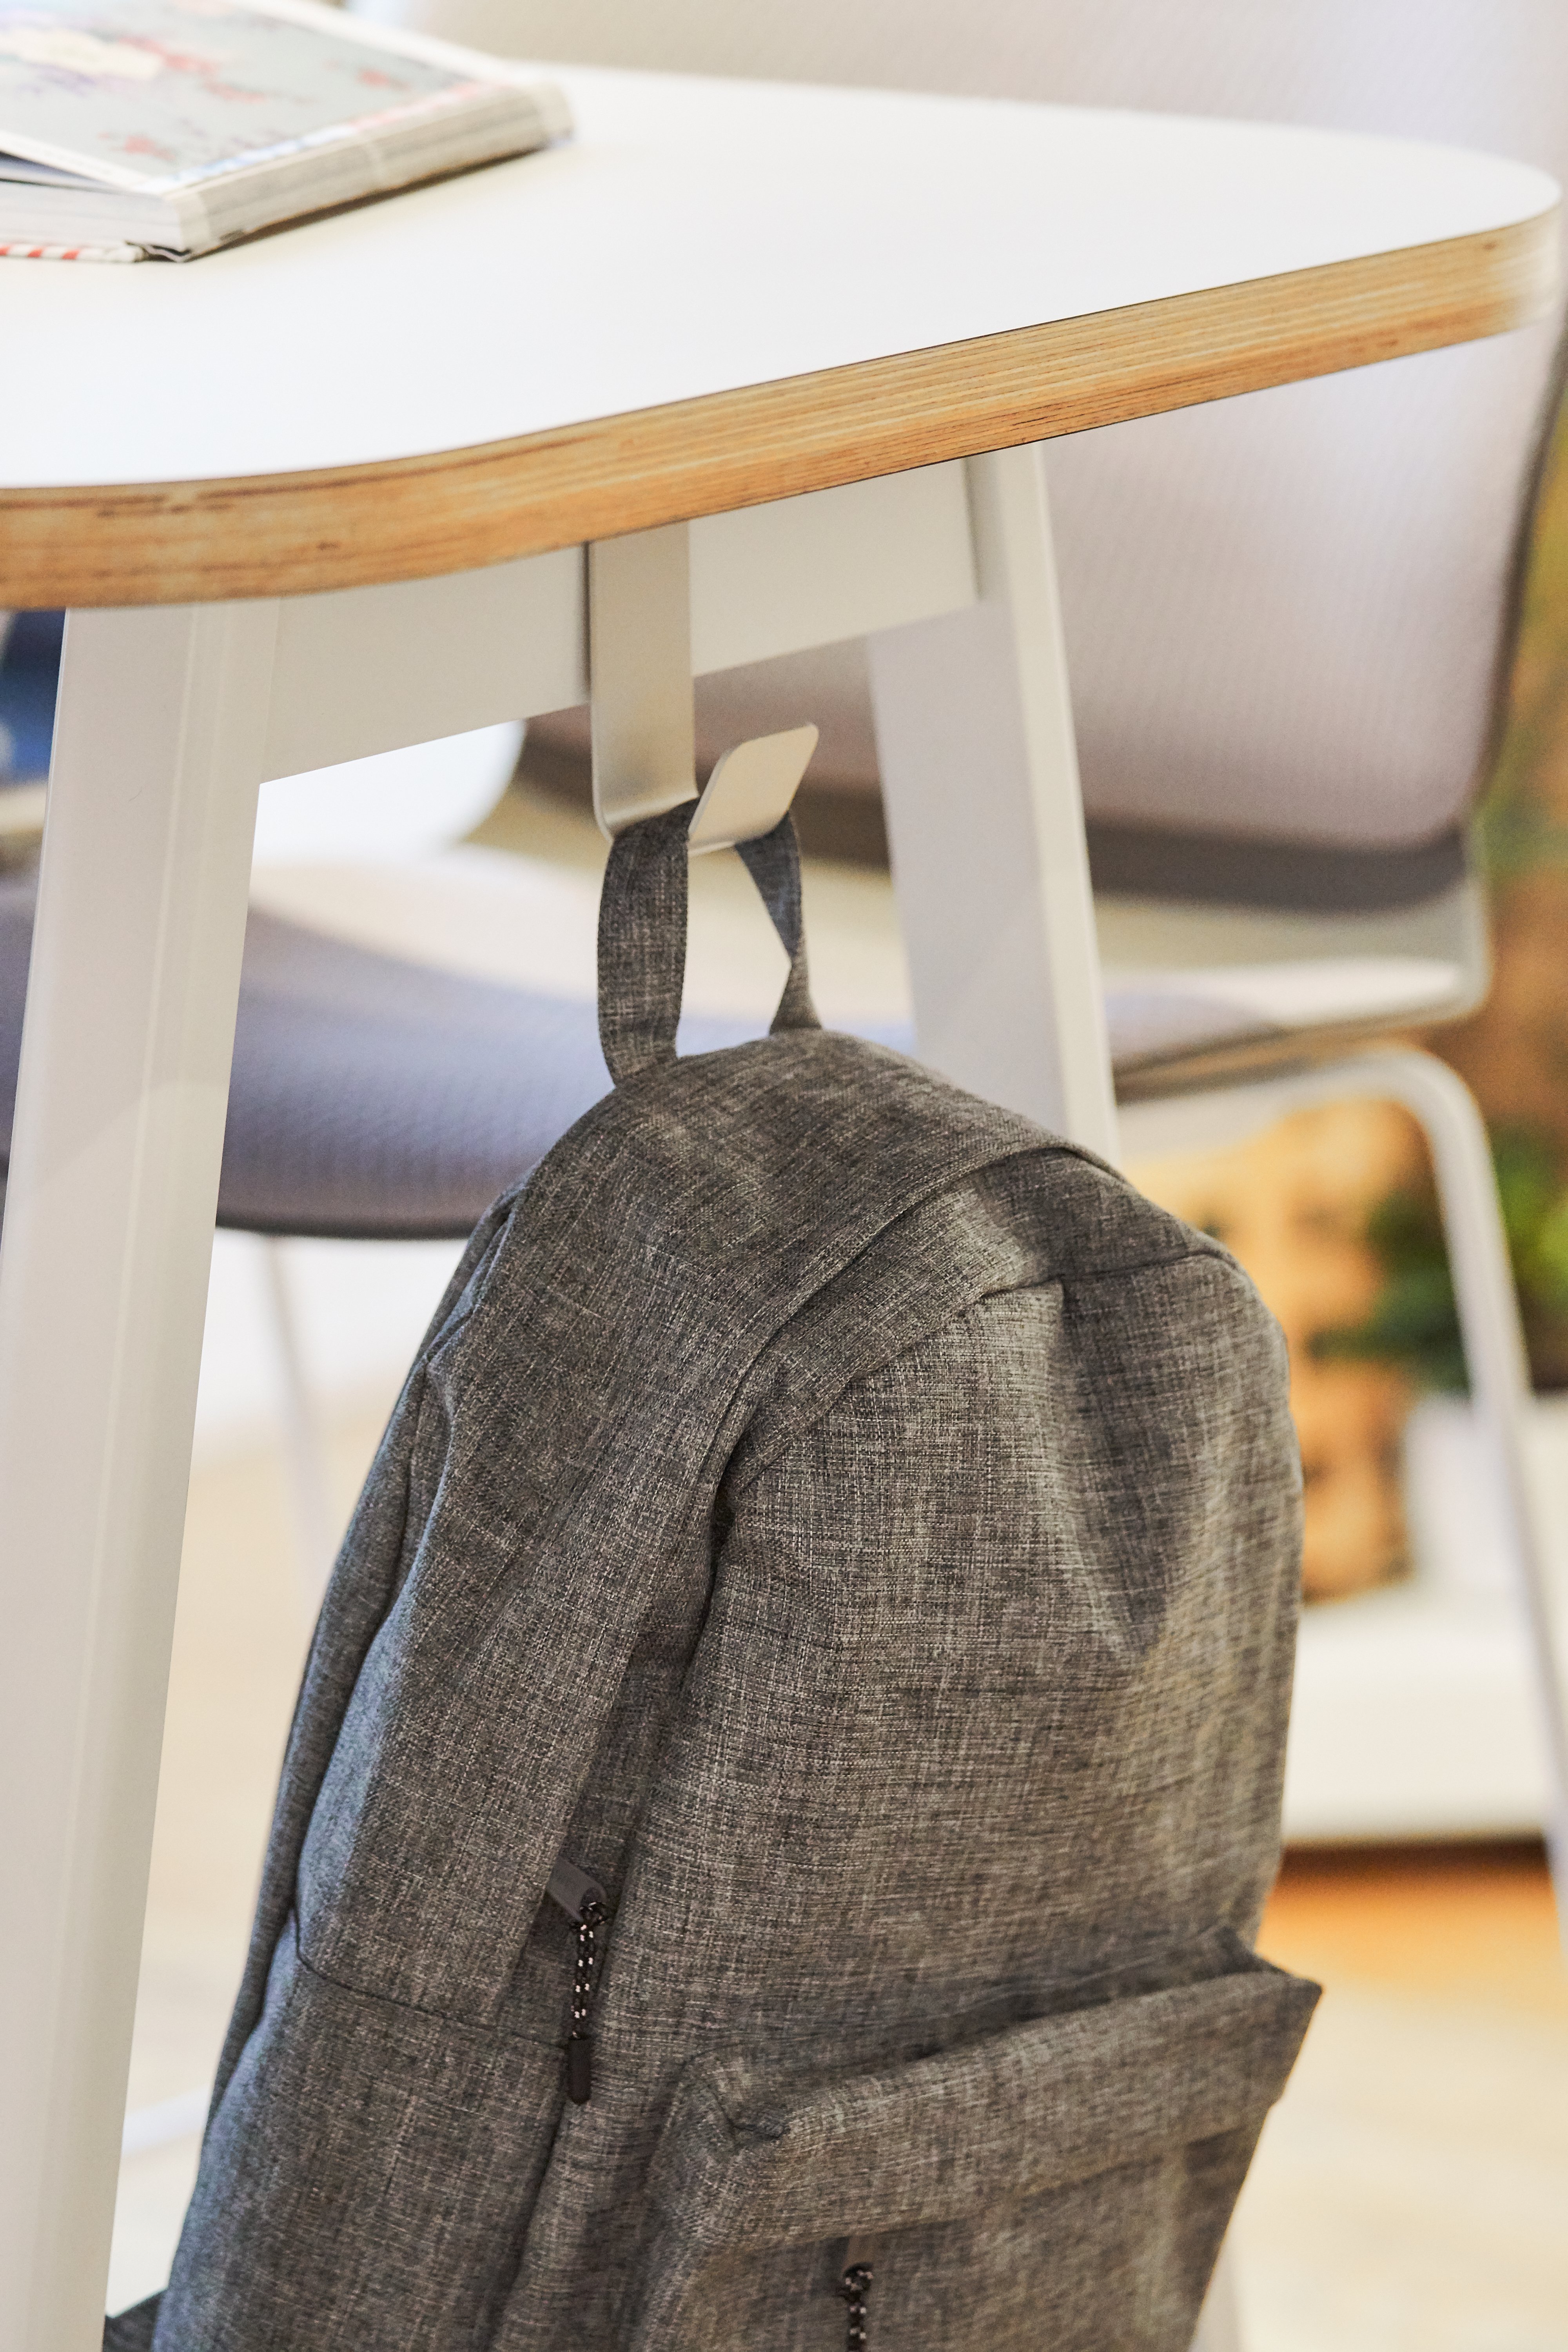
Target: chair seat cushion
1160,1016
373,1097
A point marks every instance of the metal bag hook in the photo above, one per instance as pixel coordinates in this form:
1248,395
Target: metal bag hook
750,789
645,759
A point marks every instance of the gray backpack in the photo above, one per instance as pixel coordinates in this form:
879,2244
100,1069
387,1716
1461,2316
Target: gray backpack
789,1760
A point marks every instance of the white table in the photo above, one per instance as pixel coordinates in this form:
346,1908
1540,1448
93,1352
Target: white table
329,494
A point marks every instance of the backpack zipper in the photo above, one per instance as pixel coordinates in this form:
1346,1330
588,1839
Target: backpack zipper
855,2286
583,1900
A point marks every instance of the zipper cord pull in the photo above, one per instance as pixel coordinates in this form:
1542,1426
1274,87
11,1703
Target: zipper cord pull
855,2286
579,2042
583,1900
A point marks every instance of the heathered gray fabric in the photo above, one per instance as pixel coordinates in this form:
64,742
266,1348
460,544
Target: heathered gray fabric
862,1532
1022,2156
132,2331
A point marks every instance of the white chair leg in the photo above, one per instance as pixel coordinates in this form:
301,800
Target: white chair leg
1219,2322
1488,1315
1499,1382
304,1449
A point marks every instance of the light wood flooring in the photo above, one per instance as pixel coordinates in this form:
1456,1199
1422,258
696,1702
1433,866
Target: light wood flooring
1412,2191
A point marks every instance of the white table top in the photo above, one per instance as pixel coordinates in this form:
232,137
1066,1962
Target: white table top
699,238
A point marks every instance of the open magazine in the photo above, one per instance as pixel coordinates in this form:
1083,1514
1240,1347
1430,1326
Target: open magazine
159,129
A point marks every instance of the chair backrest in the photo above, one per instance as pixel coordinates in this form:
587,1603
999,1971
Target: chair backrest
1288,613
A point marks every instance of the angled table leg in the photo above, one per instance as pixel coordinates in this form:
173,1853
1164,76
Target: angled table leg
104,1274
974,740
979,768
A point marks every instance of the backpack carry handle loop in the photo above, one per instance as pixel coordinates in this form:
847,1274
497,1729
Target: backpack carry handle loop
642,937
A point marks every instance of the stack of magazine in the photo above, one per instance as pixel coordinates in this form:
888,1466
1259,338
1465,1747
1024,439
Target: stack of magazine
136,129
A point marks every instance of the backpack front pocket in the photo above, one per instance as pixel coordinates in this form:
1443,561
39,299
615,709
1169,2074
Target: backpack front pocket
1064,2183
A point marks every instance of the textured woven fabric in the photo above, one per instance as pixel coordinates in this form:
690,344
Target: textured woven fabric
862,1532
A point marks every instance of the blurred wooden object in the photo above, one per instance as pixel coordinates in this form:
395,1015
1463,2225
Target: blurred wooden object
1292,1205
1467,1922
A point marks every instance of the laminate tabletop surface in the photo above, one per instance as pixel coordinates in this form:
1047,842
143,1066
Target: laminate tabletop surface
716,292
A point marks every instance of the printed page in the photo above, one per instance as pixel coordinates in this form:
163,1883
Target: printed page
158,94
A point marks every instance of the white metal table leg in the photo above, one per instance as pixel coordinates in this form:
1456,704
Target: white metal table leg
974,741
107,1238
979,768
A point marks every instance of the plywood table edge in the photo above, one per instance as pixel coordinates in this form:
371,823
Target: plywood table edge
417,518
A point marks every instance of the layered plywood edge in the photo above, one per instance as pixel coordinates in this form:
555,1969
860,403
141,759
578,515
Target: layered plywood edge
417,517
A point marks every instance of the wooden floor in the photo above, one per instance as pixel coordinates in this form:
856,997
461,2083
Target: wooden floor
1462,1922
1411,2194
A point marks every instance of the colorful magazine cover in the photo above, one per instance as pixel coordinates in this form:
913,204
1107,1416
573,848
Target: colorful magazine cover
163,92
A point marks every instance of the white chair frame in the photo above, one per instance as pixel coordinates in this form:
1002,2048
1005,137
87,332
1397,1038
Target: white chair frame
1484,1294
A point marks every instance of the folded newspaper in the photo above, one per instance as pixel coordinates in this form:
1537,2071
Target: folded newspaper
134,130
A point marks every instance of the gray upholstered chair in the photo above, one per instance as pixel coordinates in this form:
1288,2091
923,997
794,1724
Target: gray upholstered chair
372,1099
1287,615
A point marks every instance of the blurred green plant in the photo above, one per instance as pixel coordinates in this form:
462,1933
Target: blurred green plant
1515,836
1519,830
1412,1322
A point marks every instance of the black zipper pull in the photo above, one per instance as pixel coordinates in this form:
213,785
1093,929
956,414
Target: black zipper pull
855,2286
583,1900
